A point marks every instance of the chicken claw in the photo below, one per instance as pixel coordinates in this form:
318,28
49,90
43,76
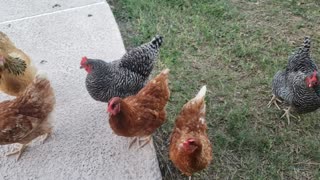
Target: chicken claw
288,114
138,139
274,101
147,141
45,137
18,151
133,141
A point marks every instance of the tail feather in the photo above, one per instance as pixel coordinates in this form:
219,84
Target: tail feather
163,74
201,94
194,107
166,71
41,75
157,41
306,44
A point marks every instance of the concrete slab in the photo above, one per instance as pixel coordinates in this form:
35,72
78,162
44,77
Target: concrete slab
10,10
82,145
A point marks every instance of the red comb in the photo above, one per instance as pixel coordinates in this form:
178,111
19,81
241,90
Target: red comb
315,72
84,59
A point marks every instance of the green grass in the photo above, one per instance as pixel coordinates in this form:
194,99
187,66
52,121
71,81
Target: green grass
234,47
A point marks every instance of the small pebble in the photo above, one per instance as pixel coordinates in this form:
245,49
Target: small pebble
89,15
43,61
56,5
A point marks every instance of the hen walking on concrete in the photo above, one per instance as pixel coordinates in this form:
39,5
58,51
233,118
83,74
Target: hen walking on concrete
124,77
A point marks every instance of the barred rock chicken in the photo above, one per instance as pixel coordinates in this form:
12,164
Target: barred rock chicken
16,71
28,116
190,148
298,85
123,77
141,114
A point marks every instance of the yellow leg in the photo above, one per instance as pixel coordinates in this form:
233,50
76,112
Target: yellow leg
274,100
288,114
45,137
138,140
133,141
18,151
147,141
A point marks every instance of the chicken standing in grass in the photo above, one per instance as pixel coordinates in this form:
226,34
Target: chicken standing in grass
141,114
124,77
28,116
16,70
298,85
190,148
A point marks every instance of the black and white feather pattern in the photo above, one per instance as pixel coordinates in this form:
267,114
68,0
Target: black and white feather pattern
123,77
290,84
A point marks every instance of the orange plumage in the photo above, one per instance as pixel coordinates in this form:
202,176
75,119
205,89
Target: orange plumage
141,114
28,116
190,149
16,70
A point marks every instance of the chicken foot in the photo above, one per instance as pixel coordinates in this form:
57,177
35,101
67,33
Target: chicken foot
18,151
274,100
45,137
147,141
138,139
133,141
288,114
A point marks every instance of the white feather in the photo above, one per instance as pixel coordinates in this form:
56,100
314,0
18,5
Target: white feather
201,93
42,75
166,71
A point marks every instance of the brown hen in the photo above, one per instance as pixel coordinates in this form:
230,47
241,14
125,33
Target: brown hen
16,71
28,116
190,149
141,114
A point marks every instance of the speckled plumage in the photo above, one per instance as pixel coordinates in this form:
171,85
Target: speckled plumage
123,77
290,84
191,123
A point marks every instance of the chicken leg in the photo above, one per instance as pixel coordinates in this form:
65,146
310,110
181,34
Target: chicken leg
135,139
288,114
18,151
147,141
45,137
274,101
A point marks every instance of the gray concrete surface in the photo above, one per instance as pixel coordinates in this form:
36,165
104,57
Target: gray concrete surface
82,145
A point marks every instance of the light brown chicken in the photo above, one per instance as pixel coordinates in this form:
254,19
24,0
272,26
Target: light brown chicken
28,116
16,70
141,114
190,149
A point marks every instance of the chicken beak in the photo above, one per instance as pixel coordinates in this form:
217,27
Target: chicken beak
81,67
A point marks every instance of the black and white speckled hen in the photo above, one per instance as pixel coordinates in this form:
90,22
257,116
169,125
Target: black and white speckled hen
124,77
298,85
